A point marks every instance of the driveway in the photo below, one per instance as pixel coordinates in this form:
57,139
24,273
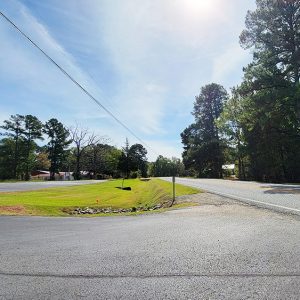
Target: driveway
281,197
225,251
29,186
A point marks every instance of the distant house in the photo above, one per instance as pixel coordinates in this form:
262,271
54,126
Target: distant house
45,175
40,174
228,170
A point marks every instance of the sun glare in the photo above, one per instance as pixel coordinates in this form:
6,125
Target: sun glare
199,7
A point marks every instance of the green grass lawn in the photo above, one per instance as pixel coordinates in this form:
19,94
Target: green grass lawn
52,201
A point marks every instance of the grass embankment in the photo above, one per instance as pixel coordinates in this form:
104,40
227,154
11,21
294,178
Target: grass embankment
54,201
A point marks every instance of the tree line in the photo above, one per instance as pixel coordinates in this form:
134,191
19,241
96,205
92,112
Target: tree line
28,146
257,125
67,149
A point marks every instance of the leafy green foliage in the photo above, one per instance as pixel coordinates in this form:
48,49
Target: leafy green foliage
101,160
164,167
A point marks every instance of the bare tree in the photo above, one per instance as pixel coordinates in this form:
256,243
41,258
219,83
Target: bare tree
82,138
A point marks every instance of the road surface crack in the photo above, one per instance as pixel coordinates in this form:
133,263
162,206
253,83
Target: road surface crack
147,276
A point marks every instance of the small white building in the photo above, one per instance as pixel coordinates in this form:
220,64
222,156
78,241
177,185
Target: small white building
229,169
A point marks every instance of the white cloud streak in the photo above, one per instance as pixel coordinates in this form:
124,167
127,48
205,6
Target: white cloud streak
228,62
148,60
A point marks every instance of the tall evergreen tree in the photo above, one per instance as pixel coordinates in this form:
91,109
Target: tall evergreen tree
57,145
7,157
123,165
232,124
270,90
23,130
138,159
133,159
202,146
273,30
31,132
14,128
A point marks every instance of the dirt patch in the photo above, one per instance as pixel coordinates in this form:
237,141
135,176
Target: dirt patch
12,210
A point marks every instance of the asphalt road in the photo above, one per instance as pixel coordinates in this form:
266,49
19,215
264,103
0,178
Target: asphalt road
280,197
229,251
28,186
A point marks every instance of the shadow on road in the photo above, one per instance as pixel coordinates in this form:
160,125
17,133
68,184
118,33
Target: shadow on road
289,189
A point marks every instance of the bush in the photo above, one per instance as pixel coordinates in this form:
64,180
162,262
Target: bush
135,174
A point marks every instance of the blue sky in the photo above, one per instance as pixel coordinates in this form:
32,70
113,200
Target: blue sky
145,60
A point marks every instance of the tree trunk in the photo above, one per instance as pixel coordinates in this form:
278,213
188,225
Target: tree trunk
16,156
77,174
27,175
52,175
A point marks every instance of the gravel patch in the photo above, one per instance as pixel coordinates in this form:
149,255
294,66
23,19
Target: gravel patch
206,199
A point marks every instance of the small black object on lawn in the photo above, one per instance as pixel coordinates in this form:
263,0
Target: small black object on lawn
125,188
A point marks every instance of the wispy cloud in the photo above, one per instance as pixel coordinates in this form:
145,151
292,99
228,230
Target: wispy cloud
228,62
145,61
26,67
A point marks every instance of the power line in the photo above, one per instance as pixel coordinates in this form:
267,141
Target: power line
75,81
